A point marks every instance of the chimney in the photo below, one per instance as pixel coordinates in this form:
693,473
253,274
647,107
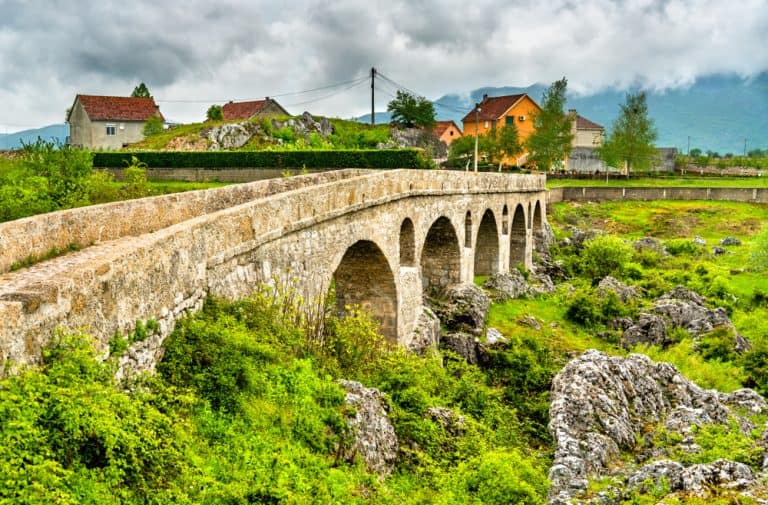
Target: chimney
572,112
485,96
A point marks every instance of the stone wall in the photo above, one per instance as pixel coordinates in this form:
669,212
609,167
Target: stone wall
218,174
599,194
295,230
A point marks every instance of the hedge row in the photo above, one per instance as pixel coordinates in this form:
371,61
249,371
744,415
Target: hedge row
392,158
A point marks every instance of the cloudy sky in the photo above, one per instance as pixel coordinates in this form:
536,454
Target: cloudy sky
195,53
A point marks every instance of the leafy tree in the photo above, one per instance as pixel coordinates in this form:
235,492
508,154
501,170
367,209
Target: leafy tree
551,140
410,110
141,91
695,152
153,126
214,113
632,136
495,145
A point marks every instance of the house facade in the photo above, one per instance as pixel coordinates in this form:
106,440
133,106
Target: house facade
109,122
587,137
499,111
447,131
268,107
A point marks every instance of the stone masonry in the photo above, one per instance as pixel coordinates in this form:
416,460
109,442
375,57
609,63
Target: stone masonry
156,258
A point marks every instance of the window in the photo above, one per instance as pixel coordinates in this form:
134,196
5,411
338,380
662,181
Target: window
486,124
110,129
510,120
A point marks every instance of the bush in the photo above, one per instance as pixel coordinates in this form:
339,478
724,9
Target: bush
590,310
683,246
393,158
135,179
758,260
153,126
605,255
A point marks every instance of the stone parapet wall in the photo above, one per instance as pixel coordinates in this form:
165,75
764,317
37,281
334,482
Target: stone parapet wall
38,235
599,194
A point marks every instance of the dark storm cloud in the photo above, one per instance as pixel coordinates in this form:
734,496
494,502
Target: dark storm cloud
246,49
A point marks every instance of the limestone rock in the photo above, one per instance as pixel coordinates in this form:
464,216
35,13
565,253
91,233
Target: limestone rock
718,251
232,135
649,243
543,239
494,336
507,286
654,475
541,283
463,308
578,237
699,241
374,436
745,400
649,329
453,423
463,344
730,241
601,404
719,473
625,293
426,333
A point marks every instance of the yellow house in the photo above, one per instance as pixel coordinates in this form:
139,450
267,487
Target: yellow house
447,131
499,111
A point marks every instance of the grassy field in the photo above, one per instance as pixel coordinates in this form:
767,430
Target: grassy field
682,182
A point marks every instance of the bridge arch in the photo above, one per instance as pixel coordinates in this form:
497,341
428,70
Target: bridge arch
364,278
505,220
407,243
468,229
517,238
487,246
537,226
440,257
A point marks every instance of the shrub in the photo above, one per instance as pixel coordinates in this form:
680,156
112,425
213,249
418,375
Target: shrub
153,126
758,259
683,246
392,158
135,179
605,255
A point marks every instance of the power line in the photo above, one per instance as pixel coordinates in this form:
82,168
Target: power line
329,95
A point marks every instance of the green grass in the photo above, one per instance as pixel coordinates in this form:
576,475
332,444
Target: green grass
161,140
683,182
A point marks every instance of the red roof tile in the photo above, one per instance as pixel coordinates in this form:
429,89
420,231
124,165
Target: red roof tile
493,107
583,123
119,108
441,126
244,110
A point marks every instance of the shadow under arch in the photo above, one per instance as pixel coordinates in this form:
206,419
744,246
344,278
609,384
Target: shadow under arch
364,279
487,246
517,238
440,257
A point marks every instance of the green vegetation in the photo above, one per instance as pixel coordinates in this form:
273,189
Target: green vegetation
411,111
666,180
153,126
32,258
214,113
399,158
631,136
493,146
550,142
141,91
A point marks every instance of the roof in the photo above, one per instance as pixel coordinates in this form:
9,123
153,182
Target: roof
493,107
583,123
244,110
441,126
119,108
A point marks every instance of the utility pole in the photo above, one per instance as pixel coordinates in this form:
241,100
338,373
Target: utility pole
688,151
477,130
373,112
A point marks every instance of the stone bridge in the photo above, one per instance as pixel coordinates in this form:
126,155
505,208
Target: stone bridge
383,238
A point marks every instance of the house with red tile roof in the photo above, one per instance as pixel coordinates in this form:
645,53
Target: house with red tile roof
234,111
499,111
109,122
587,137
447,131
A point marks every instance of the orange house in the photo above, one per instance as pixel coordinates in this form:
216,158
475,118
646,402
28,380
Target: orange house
499,111
447,131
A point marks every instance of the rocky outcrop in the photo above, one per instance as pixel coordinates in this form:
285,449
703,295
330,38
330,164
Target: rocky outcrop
231,135
649,244
463,344
649,329
374,437
304,125
624,292
426,333
730,241
401,138
453,423
507,286
462,308
602,405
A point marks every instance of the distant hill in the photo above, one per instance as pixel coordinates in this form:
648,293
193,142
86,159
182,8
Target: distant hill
717,112
55,132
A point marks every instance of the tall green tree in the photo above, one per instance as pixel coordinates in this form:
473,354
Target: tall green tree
141,91
214,113
494,145
409,110
632,135
550,142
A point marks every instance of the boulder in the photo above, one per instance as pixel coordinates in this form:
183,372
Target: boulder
649,329
625,293
494,336
462,308
453,423
426,333
578,237
374,437
649,243
463,344
730,241
543,239
602,404
699,241
718,251
231,135
507,286
541,283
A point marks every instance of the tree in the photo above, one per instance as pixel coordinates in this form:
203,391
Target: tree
632,136
214,113
153,126
551,139
141,91
494,145
695,152
409,110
